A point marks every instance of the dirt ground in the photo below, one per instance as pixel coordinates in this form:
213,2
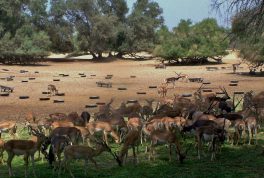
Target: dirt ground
78,90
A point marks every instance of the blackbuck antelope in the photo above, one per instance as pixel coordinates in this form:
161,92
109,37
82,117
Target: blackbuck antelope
8,127
171,137
172,80
23,147
52,89
85,153
132,140
105,127
57,146
215,137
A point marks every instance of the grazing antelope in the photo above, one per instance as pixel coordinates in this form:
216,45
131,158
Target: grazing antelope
8,127
209,134
251,128
52,89
85,153
105,127
131,140
23,147
171,137
57,146
163,89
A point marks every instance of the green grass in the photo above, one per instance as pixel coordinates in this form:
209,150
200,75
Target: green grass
234,161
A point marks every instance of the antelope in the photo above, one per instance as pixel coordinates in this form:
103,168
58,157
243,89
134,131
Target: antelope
240,127
58,116
134,123
8,126
251,128
104,110
172,80
23,147
73,133
57,124
163,89
52,89
85,153
209,134
131,140
2,143
85,134
128,111
147,110
105,127
171,137
57,146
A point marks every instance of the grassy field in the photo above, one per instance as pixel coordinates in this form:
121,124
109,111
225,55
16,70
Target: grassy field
234,161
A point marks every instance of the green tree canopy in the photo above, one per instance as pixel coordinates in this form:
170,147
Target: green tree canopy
189,43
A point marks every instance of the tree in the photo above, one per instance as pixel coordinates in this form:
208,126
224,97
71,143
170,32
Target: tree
247,28
189,43
21,38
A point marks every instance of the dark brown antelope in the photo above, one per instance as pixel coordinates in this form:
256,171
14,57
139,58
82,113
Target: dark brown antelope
132,140
212,135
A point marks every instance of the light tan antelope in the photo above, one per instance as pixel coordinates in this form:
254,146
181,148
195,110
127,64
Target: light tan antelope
163,89
251,128
240,128
105,127
23,147
8,127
